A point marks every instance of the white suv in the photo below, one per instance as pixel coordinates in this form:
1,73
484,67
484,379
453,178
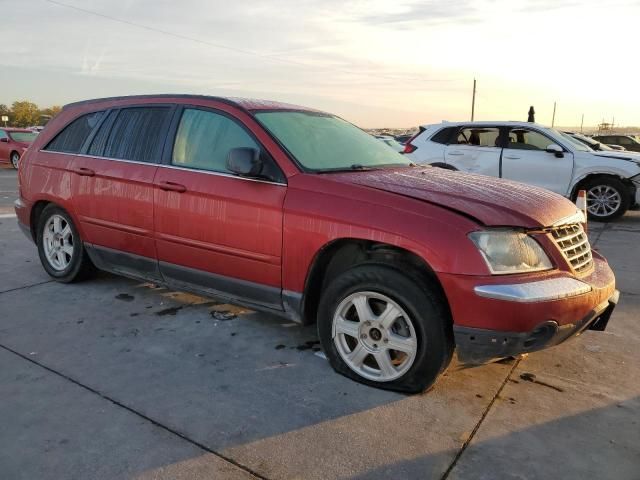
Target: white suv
534,154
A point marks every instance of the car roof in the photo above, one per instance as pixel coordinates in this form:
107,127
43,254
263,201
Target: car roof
249,104
499,123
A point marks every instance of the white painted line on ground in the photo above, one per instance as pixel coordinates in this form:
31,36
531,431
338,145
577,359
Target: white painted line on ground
7,215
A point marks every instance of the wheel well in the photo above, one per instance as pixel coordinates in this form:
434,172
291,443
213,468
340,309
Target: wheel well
579,186
341,255
36,211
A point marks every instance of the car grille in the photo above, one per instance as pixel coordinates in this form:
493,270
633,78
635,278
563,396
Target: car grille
574,244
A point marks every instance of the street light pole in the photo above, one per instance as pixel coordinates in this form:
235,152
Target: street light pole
473,100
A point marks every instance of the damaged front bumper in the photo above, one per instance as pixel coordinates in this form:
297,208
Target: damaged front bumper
476,345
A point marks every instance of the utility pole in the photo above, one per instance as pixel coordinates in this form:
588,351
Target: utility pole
473,101
582,123
553,119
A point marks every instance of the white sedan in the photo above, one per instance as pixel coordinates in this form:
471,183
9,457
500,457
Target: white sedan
534,154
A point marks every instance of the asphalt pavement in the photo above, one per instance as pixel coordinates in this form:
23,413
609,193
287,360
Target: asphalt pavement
113,378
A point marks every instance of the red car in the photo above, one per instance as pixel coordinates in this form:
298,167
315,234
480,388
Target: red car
13,143
297,212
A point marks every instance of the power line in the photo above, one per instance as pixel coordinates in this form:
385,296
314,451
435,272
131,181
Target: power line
241,51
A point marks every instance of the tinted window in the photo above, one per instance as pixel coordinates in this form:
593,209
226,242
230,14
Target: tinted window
478,136
73,136
622,140
137,134
100,139
3,134
443,135
204,139
522,139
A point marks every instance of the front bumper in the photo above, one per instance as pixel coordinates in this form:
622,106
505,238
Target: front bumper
498,316
476,345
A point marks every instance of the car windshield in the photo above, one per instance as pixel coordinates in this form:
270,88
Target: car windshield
322,143
26,137
578,145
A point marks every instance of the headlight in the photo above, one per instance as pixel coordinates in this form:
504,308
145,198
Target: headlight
636,179
508,251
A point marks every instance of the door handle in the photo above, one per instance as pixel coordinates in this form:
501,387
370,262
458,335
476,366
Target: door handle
85,172
455,153
512,157
172,187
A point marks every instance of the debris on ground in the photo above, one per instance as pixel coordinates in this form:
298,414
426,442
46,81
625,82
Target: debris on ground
125,297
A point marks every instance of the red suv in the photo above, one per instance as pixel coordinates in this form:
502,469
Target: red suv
13,143
297,212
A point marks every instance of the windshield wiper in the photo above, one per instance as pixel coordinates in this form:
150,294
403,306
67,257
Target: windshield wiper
356,167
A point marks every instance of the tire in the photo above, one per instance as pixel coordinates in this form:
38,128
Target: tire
422,323
60,247
607,198
15,159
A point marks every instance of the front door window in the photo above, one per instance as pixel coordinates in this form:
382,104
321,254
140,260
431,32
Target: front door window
523,139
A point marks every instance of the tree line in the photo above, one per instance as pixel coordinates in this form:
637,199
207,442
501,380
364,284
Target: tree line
27,114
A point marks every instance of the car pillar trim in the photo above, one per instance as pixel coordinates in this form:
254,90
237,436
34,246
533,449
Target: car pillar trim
539,291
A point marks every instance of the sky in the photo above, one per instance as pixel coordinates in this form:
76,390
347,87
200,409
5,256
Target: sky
392,63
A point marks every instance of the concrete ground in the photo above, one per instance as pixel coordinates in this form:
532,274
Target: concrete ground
113,378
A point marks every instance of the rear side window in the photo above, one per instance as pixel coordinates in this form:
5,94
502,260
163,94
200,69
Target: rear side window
73,136
204,139
100,139
443,136
137,134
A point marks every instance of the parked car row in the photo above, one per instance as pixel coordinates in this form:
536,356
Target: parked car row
536,155
299,213
627,142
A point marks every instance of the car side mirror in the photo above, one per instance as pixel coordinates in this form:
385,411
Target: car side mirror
556,150
245,162
4,140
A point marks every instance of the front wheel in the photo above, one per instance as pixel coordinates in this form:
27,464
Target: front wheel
384,328
15,159
60,247
607,198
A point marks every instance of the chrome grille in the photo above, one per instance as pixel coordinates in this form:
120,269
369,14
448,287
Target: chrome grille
574,244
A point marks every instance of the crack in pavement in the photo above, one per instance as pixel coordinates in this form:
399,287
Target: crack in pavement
467,442
26,286
135,412
607,227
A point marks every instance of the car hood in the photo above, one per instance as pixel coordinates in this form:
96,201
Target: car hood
621,155
491,201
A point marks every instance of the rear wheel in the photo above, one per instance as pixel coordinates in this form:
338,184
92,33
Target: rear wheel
60,247
607,198
15,159
385,328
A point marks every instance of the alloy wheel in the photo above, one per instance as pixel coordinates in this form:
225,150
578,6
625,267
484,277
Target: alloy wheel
374,336
603,200
58,242
15,159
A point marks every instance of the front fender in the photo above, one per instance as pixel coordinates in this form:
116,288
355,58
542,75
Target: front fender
314,218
